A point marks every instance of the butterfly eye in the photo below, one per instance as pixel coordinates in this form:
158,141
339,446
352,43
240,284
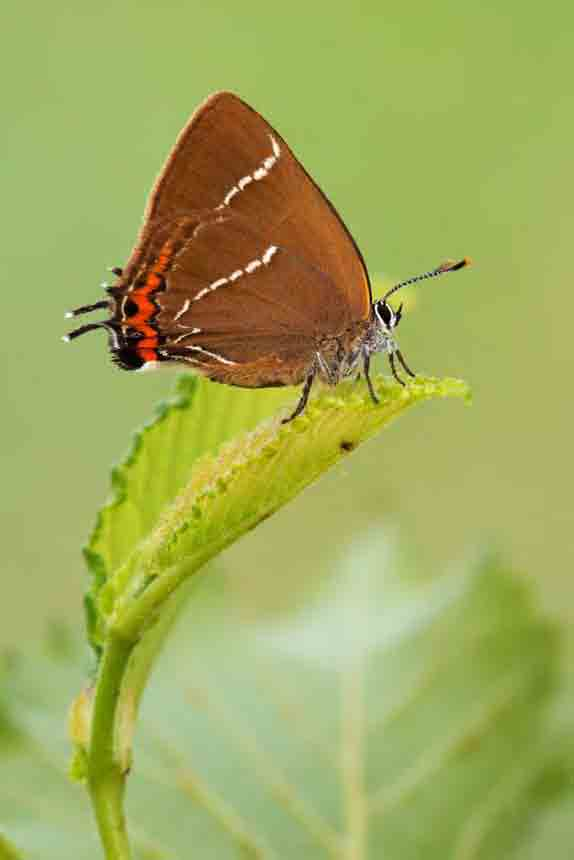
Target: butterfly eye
384,313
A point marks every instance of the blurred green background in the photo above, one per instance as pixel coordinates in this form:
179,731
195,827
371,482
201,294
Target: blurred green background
437,130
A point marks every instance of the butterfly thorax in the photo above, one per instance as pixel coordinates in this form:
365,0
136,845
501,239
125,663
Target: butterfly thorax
380,336
338,356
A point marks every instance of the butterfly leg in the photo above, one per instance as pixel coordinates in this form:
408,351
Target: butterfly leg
304,395
394,369
404,364
366,365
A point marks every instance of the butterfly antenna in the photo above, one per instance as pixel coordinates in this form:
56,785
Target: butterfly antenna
447,266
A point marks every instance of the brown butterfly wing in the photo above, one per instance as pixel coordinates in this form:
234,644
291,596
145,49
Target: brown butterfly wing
258,362
233,305
228,277
228,159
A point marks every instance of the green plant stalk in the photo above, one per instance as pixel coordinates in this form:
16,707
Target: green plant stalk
226,497
106,775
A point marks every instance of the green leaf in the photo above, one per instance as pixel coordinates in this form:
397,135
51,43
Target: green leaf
139,534
390,717
196,421
41,811
142,565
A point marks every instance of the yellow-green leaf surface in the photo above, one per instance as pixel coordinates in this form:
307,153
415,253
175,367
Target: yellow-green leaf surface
181,497
196,421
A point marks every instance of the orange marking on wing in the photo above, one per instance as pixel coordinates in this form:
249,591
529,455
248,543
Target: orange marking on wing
146,347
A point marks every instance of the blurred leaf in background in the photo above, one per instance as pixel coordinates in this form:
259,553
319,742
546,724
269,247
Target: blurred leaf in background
387,717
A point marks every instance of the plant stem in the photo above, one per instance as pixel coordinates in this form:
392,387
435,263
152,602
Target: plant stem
106,773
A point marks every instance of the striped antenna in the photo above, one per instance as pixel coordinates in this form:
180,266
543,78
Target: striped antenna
447,266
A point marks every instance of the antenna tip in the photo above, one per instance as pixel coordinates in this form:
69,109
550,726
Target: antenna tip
66,338
69,315
454,265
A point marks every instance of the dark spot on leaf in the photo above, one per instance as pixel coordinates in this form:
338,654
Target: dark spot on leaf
346,445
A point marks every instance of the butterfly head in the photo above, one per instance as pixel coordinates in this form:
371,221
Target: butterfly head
384,320
387,318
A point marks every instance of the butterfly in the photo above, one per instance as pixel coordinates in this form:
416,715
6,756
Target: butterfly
243,270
